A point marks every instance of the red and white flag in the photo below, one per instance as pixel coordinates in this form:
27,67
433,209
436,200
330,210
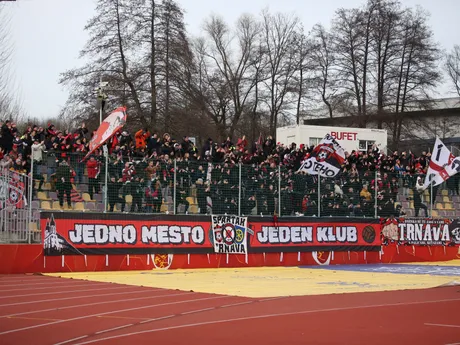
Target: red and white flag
111,125
443,164
326,158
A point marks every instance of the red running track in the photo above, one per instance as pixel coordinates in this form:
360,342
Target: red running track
44,310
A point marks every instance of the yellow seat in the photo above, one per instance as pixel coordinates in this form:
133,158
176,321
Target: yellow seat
56,205
444,192
191,200
46,186
439,206
164,208
129,199
45,205
434,213
33,226
79,206
42,196
445,199
193,209
86,197
448,206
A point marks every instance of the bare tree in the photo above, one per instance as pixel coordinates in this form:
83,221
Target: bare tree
227,59
279,38
10,98
452,67
351,59
322,64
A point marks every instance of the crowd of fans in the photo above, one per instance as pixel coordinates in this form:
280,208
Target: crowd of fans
143,165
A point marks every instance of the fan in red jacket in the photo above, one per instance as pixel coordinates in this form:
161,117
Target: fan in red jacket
92,167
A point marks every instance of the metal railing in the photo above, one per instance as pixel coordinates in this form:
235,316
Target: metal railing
143,185
152,186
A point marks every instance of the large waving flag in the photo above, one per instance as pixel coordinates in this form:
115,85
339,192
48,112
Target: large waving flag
443,164
326,159
111,124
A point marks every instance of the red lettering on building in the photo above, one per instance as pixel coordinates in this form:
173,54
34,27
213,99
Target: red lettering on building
344,135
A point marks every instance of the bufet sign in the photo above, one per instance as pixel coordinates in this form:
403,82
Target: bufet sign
351,136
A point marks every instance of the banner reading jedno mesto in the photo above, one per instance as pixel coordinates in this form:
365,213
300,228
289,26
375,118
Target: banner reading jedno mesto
101,233
326,158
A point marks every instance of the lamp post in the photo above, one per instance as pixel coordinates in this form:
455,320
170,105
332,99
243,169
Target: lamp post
101,97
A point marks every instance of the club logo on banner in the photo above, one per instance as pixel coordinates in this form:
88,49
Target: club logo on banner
420,231
229,234
326,159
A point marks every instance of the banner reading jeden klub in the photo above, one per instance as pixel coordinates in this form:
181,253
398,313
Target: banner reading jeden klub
229,234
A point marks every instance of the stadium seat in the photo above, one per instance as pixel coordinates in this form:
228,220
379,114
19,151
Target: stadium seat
444,192
129,199
164,208
45,205
448,206
87,198
191,200
79,206
99,207
193,209
445,199
439,206
42,196
91,206
56,205
434,214
46,186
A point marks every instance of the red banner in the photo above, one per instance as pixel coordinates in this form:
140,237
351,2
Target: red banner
321,233
71,233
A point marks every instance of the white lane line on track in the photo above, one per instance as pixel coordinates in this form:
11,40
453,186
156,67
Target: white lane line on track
49,287
108,313
196,311
114,328
158,318
442,325
52,283
96,303
71,340
77,297
67,291
235,304
264,316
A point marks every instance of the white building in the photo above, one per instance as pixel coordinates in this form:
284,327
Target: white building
350,138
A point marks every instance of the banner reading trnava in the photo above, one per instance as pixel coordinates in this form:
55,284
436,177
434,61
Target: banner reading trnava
421,231
229,234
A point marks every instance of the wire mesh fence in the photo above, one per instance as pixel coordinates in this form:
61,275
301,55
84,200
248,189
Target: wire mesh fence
181,186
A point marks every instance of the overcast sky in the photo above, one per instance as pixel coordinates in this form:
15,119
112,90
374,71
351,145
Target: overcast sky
48,35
